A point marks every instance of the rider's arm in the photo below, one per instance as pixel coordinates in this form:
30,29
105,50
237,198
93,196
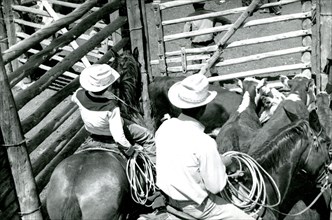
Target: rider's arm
116,128
212,170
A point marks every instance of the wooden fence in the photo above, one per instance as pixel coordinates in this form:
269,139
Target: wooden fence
49,122
240,51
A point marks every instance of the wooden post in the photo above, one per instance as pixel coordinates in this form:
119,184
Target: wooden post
307,40
160,37
325,29
10,27
221,44
146,40
137,40
4,39
17,153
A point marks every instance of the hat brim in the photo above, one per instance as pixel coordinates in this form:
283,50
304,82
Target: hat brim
173,96
85,82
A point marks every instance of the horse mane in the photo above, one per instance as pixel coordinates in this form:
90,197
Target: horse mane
279,148
129,86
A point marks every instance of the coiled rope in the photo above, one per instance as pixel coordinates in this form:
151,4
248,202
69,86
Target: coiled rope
249,199
141,176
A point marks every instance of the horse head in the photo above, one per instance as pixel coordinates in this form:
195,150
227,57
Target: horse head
319,147
129,86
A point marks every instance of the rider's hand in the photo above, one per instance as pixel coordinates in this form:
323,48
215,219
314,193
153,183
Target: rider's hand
229,164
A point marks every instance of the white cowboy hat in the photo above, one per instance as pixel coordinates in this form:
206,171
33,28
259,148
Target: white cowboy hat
98,77
191,92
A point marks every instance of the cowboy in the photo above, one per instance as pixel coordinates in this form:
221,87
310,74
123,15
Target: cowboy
101,113
189,169
206,39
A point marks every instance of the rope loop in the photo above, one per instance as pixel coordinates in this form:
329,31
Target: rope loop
254,199
140,172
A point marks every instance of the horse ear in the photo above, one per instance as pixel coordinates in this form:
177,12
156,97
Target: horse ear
136,53
293,117
311,85
314,120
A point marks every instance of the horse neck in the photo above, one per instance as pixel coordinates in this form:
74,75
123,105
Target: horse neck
284,169
247,103
298,93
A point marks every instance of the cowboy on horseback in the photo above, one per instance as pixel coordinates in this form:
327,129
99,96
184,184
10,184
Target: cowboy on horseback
101,114
190,170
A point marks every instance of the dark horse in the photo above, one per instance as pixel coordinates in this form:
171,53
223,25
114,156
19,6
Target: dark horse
93,184
300,148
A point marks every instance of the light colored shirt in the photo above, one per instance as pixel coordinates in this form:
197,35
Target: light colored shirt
188,164
199,25
100,118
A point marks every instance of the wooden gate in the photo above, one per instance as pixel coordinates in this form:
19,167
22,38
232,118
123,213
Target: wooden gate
265,45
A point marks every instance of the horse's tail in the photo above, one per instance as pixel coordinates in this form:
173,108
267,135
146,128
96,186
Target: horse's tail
71,208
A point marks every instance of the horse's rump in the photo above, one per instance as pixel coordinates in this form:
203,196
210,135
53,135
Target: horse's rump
91,178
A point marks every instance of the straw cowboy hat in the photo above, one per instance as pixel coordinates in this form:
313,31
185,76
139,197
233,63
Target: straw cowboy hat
98,77
191,92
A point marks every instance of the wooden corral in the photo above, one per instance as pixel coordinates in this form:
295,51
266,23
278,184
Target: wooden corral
294,59
45,127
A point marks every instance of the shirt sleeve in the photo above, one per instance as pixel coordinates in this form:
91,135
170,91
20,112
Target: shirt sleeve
116,127
213,171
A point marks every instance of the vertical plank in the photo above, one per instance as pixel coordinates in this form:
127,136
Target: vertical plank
160,37
4,39
318,68
146,40
136,38
16,150
307,40
325,32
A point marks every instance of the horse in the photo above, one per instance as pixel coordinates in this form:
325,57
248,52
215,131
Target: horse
92,184
243,124
299,99
299,149
216,114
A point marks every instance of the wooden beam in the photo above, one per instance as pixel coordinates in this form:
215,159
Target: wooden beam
250,23
223,13
25,96
160,37
45,153
50,127
137,41
44,176
239,60
23,46
50,50
259,72
325,29
221,44
10,27
16,150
